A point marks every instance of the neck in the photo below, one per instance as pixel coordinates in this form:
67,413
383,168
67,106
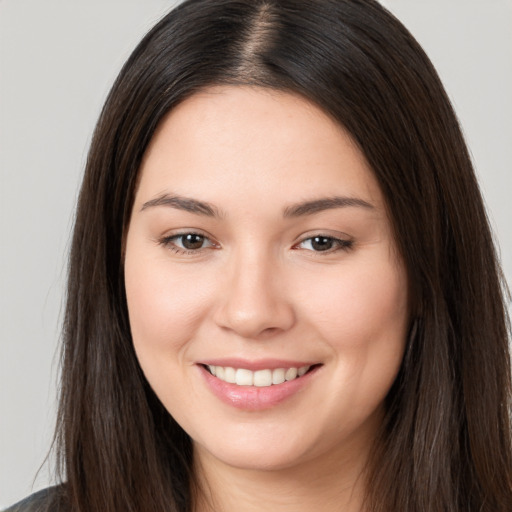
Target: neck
333,484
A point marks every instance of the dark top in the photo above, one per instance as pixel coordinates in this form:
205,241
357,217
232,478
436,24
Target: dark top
46,500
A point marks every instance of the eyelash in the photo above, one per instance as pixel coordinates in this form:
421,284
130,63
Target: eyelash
170,243
340,244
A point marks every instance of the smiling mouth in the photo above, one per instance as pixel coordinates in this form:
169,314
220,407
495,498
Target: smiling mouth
258,378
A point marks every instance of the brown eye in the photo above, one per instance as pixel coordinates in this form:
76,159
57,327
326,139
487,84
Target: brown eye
322,243
187,242
328,244
192,241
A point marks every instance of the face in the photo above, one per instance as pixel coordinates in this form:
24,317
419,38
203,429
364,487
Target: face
267,301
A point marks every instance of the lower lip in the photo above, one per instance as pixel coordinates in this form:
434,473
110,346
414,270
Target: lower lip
254,398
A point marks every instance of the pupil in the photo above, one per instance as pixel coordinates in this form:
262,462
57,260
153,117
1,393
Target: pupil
321,243
192,241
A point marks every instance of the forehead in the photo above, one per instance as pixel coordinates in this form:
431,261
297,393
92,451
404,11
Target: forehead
252,142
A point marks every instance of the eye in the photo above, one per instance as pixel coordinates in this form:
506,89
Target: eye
187,243
190,241
321,243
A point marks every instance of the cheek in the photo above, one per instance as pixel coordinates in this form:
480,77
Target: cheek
363,318
165,304
360,305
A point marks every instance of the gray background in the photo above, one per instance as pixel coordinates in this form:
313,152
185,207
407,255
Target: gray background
57,62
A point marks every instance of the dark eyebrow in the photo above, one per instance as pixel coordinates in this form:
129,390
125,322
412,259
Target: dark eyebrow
297,210
327,203
183,203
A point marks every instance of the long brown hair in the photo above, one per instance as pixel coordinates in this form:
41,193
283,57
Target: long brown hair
446,441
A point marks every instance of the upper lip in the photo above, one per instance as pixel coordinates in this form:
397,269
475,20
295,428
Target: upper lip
256,364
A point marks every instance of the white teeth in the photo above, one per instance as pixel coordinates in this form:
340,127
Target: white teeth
263,378
290,374
259,378
278,376
230,375
244,377
302,370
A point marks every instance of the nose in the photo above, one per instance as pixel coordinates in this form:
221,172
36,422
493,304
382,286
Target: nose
253,300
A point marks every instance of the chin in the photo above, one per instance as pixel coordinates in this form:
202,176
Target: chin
260,453
261,459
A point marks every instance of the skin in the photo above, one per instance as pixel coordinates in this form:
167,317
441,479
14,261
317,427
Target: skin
258,288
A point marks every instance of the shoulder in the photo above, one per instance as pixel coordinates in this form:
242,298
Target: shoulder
47,500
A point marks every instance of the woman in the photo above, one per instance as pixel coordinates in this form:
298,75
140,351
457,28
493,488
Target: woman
283,291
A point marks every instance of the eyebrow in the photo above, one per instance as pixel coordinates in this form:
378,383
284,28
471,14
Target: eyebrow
295,210
328,203
183,203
